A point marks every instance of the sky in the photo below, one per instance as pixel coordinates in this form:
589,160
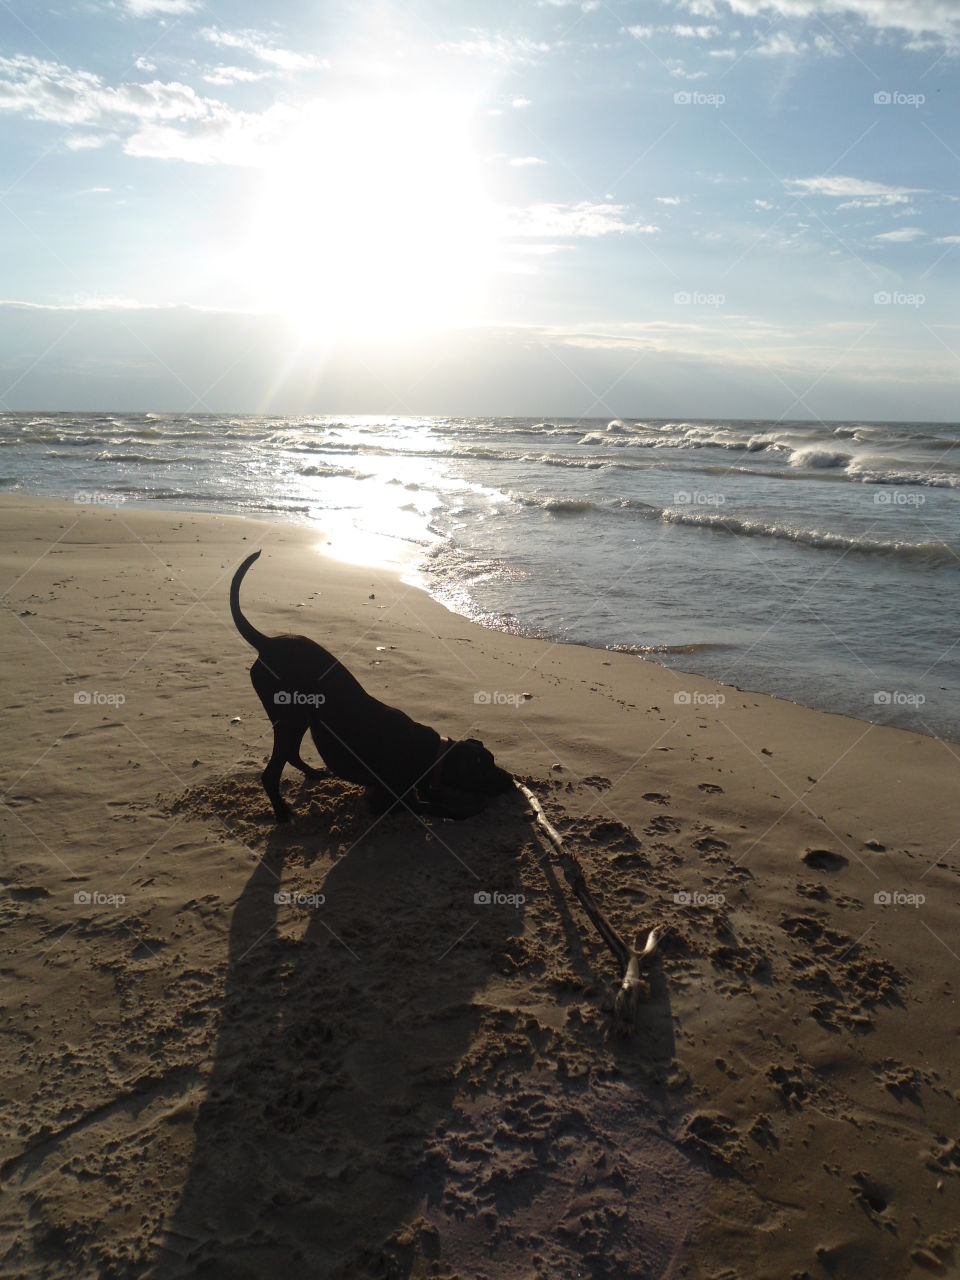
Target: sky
710,208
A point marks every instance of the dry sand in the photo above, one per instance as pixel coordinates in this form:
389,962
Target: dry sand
200,1080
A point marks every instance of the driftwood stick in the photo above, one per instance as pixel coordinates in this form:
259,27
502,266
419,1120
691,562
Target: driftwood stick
633,960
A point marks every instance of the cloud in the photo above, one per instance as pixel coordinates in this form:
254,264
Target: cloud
88,141
692,33
779,45
903,235
232,137
50,91
827,46
701,8
164,120
497,47
947,240
939,18
678,68
258,46
670,199
573,220
159,8
764,205
682,30
234,75
526,162
858,192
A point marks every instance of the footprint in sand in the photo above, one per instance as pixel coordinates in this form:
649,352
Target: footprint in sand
871,1194
656,797
662,825
28,893
713,1135
823,859
710,844
898,1078
609,832
710,788
810,889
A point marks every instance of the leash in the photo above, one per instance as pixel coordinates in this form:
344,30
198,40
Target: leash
634,961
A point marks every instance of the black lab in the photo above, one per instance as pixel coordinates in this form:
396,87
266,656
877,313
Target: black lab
401,763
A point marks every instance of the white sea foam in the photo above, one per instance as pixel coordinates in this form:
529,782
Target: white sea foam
926,551
813,455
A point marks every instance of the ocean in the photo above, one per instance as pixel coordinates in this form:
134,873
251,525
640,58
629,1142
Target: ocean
817,562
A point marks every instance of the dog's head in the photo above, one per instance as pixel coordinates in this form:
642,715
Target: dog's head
468,766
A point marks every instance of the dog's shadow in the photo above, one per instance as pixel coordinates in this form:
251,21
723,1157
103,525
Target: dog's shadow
343,1031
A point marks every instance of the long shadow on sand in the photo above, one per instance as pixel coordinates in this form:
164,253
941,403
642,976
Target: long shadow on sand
347,1031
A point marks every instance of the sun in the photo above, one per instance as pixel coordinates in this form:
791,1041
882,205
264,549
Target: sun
372,218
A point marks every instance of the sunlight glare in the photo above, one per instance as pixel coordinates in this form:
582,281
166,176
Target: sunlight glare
373,219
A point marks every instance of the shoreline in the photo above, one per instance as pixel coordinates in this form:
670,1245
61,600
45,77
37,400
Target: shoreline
396,1076
412,575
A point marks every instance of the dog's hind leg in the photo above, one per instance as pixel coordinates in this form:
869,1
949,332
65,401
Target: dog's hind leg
299,763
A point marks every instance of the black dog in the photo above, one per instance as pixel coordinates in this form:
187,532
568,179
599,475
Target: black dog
399,761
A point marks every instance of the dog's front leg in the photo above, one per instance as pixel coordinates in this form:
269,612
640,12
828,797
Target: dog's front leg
286,744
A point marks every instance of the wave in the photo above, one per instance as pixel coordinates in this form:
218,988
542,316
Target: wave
703,646
141,434
577,464
871,474
933,553
813,455
691,437
929,552
141,459
243,502
556,504
327,469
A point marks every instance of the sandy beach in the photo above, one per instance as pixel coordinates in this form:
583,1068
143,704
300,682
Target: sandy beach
377,1075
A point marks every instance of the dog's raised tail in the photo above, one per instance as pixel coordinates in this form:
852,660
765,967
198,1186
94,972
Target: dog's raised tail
246,629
